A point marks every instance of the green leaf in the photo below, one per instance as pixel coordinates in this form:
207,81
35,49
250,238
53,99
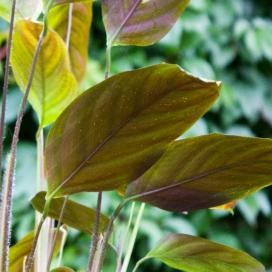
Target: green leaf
79,32
62,269
24,9
115,131
75,215
19,251
194,254
54,85
206,171
59,2
138,22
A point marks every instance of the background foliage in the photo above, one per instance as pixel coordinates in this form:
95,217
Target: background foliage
225,40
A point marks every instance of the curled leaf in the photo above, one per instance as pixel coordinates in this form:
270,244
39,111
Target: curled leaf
115,131
205,171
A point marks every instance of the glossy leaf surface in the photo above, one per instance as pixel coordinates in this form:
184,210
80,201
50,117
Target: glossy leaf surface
194,254
78,36
19,251
115,131
206,171
54,86
75,215
139,22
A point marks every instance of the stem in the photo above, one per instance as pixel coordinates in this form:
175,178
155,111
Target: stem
108,61
119,261
133,238
139,263
95,237
69,25
5,85
108,233
56,234
30,257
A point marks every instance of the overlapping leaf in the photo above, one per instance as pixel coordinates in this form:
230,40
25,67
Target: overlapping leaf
77,37
206,171
19,251
194,254
54,85
115,131
139,22
75,215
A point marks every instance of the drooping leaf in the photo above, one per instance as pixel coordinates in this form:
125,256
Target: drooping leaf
62,269
115,131
24,9
140,22
79,32
194,254
19,251
75,215
54,85
206,171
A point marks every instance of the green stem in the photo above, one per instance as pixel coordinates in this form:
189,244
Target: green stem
108,61
139,263
133,238
119,261
95,237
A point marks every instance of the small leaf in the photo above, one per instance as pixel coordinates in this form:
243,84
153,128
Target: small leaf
194,254
140,22
79,33
54,85
62,269
116,130
19,251
75,215
229,207
206,171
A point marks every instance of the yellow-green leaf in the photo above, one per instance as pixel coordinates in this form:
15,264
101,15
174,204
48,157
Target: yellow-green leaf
139,22
194,254
59,2
19,251
116,130
75,215
77,37
62,269
24,9
54,86
206,171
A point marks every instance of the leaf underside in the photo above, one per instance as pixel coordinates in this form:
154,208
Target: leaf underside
115,131
206,171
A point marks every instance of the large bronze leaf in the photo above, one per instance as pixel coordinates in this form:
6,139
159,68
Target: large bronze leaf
206,171
139,22
115,131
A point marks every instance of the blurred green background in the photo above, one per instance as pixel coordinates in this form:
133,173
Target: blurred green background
224,40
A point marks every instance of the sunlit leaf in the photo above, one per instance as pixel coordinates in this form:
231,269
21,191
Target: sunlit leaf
58,2
62,269
24,9
77,37
19,251
194,254
206,171
75,215
140,22
54,85
115,131
228,207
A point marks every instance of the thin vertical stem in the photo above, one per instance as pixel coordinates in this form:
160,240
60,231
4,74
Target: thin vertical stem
95,237
5,85
108,61
69,25
57,233
133,238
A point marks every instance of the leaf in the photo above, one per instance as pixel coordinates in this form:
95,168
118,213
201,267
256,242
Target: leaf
116,130
79,35
228,207
62,269
19,251
59,2
54,86
206,171
75,215
24,9
139,22
194,254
